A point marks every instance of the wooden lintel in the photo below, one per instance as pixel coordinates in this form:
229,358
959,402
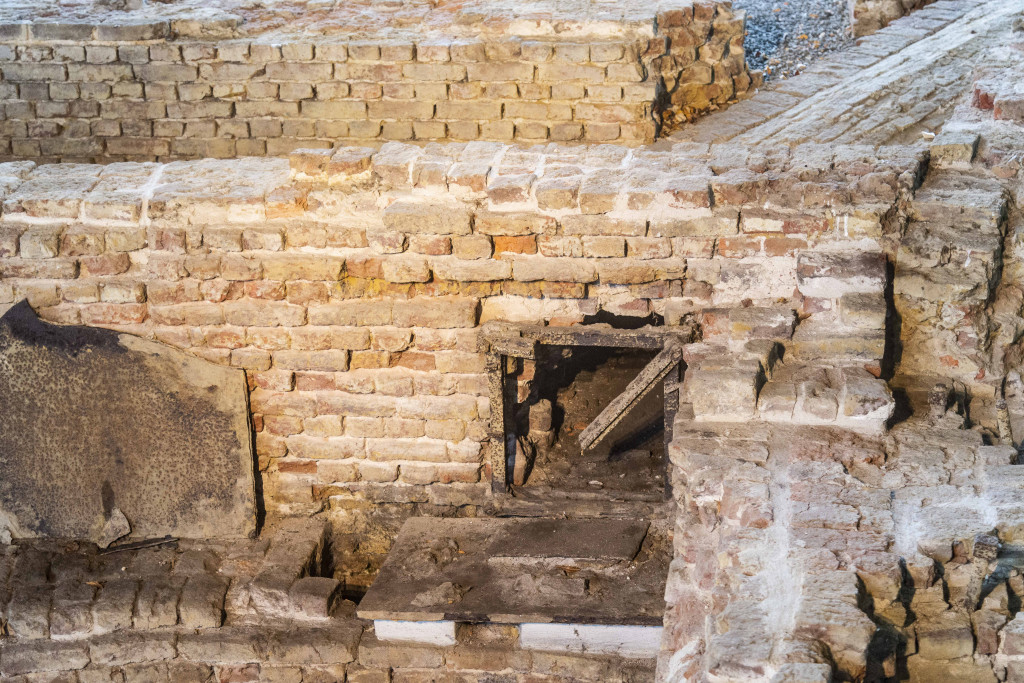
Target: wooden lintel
520,340
518,347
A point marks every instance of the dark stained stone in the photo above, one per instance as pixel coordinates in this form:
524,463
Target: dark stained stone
92,420
523,570
607,539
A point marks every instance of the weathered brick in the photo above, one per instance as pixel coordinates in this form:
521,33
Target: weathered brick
473,270
439,312
494,223
267,313
422,217
603,225
352,313
286,267
331,360
534,268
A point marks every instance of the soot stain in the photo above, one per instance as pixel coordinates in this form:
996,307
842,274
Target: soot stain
89,425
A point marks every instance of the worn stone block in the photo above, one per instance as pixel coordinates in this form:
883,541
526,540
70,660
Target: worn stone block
202,602
863,310
954,148
41,656
722,394
126,648
157,603
947,635
118,399
314,597
830,275
422,217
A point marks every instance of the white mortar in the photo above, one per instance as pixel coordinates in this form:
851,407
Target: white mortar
626,641
426,632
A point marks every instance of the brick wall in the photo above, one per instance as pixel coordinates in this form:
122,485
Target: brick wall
351,287
106,92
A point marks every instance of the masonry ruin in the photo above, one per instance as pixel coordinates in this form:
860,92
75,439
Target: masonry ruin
431,341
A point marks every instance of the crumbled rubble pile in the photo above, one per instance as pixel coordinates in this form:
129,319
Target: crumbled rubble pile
783,38
141,85
843,552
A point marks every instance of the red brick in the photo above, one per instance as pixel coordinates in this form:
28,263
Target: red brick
526,244
783,246
167,239
264,289
314,381
282,425
305,293
414,360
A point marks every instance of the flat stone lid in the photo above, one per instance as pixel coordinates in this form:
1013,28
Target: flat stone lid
519,570
98,426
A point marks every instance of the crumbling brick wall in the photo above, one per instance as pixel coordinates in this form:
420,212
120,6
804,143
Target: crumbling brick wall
158,90
351,287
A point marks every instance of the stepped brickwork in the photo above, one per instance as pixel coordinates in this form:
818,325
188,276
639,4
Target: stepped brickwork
837,258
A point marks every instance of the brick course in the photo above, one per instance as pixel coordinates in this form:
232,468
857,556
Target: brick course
152,93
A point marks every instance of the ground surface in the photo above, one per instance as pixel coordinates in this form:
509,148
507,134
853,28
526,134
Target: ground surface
785,37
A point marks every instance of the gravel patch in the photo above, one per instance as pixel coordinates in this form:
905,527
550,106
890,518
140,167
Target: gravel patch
784,38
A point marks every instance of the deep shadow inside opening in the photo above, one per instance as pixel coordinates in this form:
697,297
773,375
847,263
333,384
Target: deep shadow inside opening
580,381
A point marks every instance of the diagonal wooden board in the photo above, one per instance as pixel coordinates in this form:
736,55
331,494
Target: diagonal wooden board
621,406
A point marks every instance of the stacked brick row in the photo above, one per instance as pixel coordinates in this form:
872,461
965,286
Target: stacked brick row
351,292
136,92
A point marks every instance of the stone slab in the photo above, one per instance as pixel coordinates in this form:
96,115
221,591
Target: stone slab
94,421
440,633
625,641
606,539
594,571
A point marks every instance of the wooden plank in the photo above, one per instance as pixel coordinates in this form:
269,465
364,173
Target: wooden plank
621,405
598,335
515,346
672,391
605,539
514,339
495,365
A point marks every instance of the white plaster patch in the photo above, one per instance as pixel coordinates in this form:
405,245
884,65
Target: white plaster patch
626,641
427,632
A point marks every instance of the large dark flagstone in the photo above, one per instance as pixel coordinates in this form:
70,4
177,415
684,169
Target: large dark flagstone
92,420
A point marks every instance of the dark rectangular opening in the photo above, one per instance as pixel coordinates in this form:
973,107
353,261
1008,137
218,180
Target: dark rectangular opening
617,389
570,387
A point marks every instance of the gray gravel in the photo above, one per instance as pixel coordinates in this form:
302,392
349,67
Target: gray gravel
783,38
